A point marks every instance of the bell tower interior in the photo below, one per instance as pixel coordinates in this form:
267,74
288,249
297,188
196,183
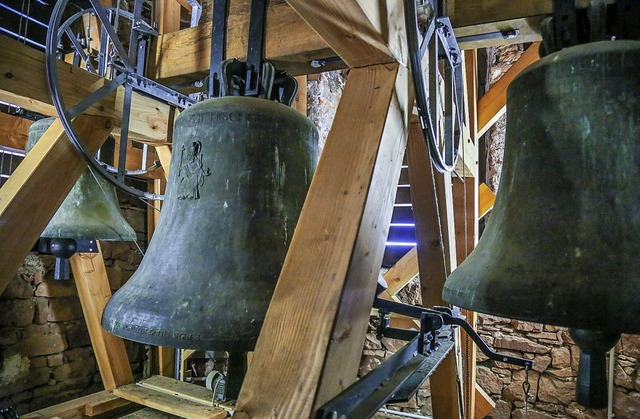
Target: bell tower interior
287,256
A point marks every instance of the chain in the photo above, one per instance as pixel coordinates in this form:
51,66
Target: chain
526,386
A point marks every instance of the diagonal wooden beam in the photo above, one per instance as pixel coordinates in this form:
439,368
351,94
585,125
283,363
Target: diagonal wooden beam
23,82
493,104
311,341
36,189
361,32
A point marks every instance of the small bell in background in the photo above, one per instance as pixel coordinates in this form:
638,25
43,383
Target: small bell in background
90,212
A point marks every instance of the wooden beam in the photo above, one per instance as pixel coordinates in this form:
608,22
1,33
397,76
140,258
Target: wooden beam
23,82
75,408
36,189
105,404
436,255
167,15
300,101
14,131
361,32
90,276
486,199
177,400
493,104
311,341
485,404
290,45
402,272
477,12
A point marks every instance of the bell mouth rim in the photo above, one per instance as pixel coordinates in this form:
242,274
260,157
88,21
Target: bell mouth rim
457,298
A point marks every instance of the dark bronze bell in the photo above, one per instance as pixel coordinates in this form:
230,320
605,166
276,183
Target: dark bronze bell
240,171
562,245
90,210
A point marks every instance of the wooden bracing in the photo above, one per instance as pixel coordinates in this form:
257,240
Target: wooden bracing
310,345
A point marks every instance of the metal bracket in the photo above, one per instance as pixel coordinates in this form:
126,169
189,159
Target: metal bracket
400,377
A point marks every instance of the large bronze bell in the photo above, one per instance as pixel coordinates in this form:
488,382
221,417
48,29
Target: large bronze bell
240,171
562,245
90,210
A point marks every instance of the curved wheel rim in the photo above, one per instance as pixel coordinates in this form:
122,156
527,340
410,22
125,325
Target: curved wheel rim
53,35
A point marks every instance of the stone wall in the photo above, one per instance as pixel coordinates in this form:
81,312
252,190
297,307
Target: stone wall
45,352
553,378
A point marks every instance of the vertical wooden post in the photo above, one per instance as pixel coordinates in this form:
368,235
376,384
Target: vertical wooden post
465,196
90,276
431,197
36,189
311,341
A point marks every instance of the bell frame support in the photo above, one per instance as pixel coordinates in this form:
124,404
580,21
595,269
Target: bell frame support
340,241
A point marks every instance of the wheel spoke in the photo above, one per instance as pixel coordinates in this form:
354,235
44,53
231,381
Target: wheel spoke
80,50
94,97
124,133
106,24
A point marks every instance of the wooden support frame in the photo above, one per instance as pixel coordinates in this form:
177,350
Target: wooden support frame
90,276
38,187
350,234
323,296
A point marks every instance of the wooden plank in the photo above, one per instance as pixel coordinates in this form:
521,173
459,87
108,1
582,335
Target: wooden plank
181,389
106,403
72,409
486,199
164,155
493,104
289,43
361,32
312,337
436,255
14,131
169,403
466,225
477,12
90,276
38,186
402,272
23,82
148,413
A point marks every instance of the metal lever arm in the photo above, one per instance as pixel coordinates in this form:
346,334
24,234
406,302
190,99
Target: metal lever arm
449,318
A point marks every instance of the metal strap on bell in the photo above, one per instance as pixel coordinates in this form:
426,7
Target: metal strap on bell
241,168
90,210
562,245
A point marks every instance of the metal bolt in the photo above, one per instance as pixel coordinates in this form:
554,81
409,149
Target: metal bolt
8,75
317,63
107,124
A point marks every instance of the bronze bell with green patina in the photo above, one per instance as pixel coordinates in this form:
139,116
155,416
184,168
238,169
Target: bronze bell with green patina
89,212
240,171
562,245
